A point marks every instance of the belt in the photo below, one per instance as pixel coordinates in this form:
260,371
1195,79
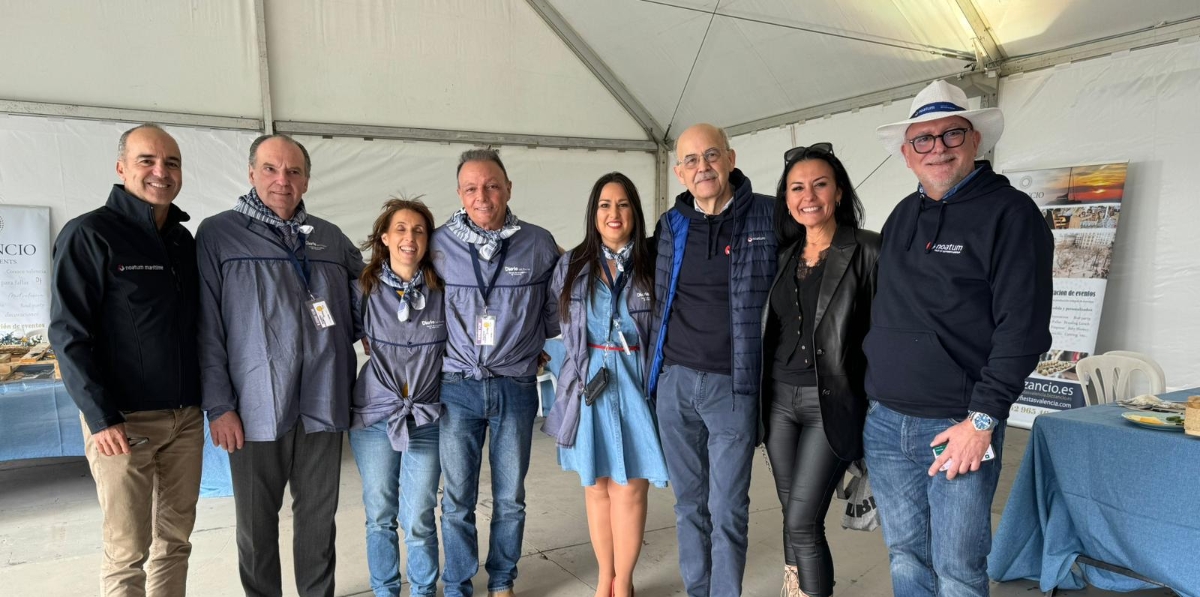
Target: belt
612,348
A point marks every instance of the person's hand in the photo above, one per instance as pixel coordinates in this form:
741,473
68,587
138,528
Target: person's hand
366,347
226,432
543,359
111,441
965,447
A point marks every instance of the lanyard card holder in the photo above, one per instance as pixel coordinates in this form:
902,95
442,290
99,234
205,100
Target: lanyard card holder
596,386
319,311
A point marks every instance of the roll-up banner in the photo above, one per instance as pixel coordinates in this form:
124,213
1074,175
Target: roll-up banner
1082,205
25,259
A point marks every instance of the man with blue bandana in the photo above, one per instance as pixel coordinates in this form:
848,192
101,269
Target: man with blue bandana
499,312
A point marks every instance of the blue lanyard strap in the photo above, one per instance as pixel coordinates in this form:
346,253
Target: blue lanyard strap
485,290
302,267
616,286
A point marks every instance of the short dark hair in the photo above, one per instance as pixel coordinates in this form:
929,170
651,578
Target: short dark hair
262,138
480,154
848,213
125,137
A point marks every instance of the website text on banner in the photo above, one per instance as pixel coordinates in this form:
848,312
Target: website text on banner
1082,205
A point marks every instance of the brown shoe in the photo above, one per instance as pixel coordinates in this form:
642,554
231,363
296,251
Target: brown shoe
502,593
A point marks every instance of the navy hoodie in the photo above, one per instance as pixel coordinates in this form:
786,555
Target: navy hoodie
962,310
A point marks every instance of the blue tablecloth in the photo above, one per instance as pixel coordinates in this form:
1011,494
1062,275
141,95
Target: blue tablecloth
38,419
1094,484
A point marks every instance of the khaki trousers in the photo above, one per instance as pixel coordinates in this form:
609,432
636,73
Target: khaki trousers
148,500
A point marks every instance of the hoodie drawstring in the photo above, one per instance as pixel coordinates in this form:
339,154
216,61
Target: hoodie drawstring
938,229
917,220
714,237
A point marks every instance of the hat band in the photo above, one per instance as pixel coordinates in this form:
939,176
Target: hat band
937,107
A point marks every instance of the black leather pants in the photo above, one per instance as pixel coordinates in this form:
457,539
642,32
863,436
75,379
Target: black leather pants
806,472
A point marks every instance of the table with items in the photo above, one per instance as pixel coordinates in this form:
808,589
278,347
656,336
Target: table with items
1095,484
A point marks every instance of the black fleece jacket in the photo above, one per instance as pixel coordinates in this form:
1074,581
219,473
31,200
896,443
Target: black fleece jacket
962,310
123,311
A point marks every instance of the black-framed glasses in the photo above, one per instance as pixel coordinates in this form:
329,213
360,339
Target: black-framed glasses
796,153
951,139
692,161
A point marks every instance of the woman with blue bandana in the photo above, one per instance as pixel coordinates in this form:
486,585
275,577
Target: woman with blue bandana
397,400
602,420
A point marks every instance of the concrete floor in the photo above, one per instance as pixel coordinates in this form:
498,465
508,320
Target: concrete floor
50,536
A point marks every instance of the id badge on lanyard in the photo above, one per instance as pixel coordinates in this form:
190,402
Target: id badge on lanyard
321,315
485,324
318,309
616,286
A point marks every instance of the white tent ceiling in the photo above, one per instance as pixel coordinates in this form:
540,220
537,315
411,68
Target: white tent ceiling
496,67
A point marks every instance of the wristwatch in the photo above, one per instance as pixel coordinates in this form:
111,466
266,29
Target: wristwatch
981,421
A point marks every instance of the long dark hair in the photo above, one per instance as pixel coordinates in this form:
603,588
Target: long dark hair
588,251
379,251
848,213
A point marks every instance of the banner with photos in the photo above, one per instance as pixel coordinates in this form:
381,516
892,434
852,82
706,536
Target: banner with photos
1082,206
25,260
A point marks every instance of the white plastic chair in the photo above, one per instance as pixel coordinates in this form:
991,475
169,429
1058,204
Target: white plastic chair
544,377
1159,373
1105,378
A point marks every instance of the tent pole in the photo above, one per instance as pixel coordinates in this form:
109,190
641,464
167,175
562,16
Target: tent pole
264,72
599,68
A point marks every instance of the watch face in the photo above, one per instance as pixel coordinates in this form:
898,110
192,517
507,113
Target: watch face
982,421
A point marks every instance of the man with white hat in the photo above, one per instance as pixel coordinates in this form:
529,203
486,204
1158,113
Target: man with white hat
961,314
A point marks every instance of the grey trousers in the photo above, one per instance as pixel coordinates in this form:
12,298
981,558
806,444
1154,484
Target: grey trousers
311,463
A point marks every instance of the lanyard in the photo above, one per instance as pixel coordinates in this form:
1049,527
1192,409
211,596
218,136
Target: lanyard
615,286
303,268
485,290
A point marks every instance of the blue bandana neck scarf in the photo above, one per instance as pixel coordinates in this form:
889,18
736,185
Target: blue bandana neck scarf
411,297
289,230
488,241
622,257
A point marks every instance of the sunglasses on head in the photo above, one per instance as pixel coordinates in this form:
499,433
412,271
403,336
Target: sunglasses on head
800,152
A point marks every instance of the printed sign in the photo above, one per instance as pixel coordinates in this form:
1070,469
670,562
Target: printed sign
1082,206
25,261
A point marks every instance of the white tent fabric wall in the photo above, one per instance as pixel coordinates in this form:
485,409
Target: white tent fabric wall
68,165
1138,106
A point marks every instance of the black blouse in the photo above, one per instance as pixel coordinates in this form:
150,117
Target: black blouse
794,302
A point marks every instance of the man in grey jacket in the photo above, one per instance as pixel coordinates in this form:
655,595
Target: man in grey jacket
499,312
277,328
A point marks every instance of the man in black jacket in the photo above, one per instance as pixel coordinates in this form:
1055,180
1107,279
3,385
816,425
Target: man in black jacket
123,324
961,313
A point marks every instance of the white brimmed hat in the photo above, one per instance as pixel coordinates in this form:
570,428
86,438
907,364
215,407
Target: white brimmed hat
941,100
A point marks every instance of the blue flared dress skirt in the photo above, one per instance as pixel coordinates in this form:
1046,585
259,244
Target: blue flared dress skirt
618,433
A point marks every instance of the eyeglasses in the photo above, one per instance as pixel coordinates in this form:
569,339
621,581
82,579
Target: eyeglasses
692,161
796,153
951,139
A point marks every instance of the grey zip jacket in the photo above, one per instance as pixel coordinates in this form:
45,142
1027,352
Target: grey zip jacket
562,423
526,311
260,352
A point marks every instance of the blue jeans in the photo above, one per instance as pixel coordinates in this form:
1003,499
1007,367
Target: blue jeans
399,486
938,532
708,437
503,407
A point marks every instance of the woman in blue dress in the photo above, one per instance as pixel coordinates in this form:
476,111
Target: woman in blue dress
397,398
602,419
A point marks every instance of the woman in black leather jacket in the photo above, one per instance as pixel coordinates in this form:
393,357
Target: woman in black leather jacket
813,402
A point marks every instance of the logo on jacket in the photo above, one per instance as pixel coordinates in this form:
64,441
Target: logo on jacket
314,246
756,239
517,271
433,324
643,296
140,268
947,248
